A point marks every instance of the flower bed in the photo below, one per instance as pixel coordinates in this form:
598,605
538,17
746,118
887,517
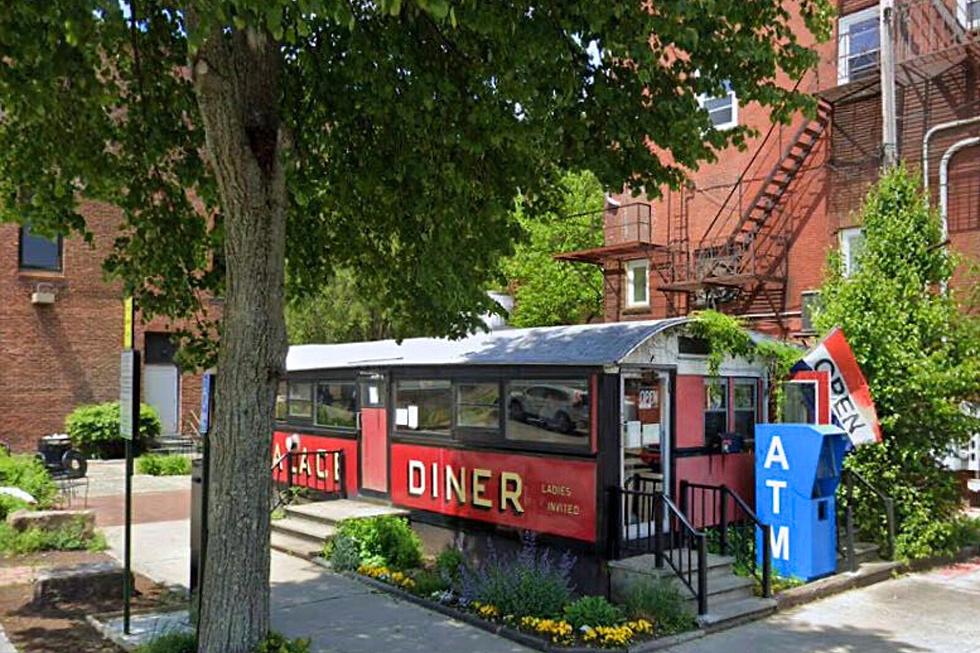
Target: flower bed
555,631
527,596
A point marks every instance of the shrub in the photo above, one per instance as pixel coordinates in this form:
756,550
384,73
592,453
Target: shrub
9,504
592,611
429,582
154,464
176,642
660,601
383,541
343,552
529,584
94,429
24,471
276,643
71,537
448,563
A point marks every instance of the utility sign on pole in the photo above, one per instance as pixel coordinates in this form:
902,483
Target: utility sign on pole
128,370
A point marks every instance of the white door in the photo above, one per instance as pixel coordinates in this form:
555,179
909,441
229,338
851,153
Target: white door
645,445
161,390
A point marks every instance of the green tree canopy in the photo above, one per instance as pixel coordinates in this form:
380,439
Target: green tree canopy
385,137
546,291
919,352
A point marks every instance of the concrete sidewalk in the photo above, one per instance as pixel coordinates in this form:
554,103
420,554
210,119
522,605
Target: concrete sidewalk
341,615
938,610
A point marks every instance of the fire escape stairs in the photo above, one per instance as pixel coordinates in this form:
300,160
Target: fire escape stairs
752,257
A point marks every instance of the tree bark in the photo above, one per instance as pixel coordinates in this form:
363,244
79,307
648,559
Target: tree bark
237,79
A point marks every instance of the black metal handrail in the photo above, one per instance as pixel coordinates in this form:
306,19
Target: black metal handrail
848,478
322,471
723,508
649,522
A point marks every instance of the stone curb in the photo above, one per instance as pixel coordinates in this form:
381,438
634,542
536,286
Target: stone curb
845,581
513,634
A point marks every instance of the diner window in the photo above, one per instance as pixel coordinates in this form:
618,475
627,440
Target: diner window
300,400
281,402
478,405
723,109
336,404
554,411
424,405
851,247
39,252
637,283
858,42
715,410
798,404
744,406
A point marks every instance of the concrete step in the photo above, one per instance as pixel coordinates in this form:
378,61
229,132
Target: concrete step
647,563
314,531
723,615
333,512
300,547
864,553
726,589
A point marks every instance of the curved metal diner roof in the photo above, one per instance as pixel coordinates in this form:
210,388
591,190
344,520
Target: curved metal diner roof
576,345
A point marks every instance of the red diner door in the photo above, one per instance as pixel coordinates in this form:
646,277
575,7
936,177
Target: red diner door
373,421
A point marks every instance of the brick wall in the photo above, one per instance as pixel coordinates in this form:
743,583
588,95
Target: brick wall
826,195
55,357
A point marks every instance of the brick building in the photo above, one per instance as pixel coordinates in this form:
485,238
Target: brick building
750,234
61,326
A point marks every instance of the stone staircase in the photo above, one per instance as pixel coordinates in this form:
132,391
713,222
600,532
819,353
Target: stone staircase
173,444
864,553
731,598
305,528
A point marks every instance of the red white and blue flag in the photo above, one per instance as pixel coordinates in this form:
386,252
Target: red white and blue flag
850,399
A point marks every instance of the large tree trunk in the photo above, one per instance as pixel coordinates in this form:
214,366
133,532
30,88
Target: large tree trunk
237,77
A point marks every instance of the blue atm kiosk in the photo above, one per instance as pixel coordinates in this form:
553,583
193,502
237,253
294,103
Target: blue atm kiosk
797,470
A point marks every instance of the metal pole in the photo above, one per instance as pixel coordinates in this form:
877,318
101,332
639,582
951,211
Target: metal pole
889,127
702,575
849,516
890,515
767,561
128,527
723,536
658,518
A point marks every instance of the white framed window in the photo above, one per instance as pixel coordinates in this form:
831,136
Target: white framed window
638,283
858,42
968,13
851,244
809,303
722,110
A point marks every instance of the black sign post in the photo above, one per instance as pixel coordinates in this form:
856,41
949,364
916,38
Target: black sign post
129,425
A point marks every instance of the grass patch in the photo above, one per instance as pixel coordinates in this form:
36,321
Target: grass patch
154,464
67,538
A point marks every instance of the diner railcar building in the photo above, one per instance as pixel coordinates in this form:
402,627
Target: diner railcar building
523,429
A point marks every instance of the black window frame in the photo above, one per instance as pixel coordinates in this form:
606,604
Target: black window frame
427,434
584,446
316,403
301,419
25,231
753,383
710,440
491,439
478,434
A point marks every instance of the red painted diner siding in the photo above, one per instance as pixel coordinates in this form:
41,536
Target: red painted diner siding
311,443
553,495
735,470
690,411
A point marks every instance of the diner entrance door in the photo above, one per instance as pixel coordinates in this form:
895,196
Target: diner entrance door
645,443
373,423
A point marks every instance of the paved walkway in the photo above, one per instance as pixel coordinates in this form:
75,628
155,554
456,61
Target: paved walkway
937,611
340,615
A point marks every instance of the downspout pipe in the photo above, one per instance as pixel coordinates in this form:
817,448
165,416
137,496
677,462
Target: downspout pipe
944,184
928,135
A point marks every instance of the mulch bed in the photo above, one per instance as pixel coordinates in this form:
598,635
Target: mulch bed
61,627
